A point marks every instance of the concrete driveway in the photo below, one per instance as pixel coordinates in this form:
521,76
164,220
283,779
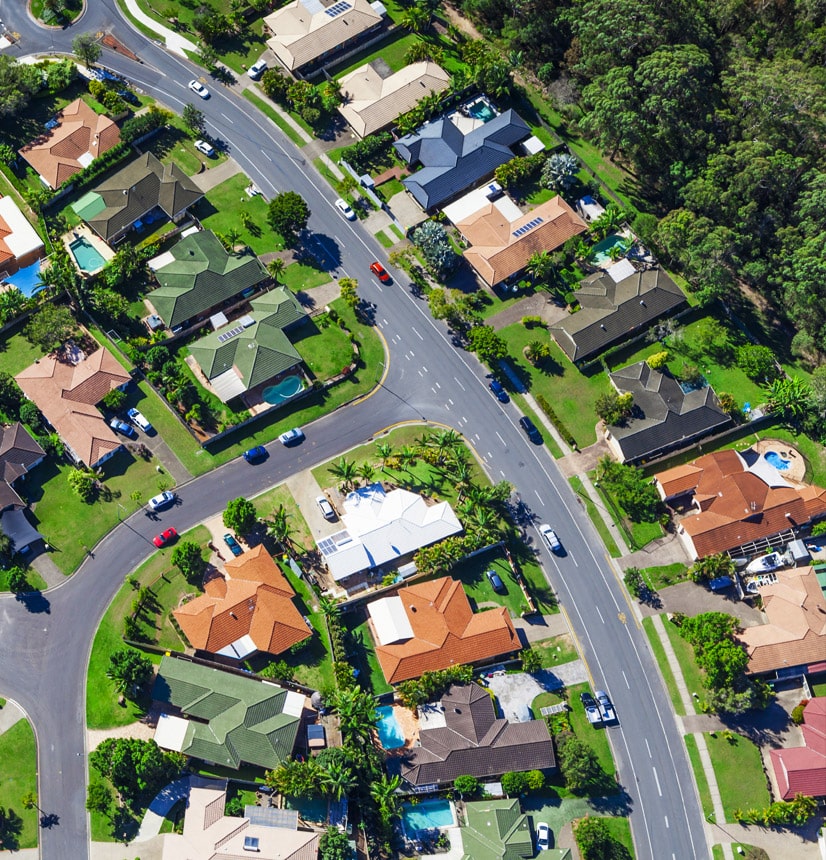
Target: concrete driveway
515,691
305,490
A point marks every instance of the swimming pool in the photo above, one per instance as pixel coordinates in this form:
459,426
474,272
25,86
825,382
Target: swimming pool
601,252
481,109
87,257
284,390
774,459
390,733
309,808
427,814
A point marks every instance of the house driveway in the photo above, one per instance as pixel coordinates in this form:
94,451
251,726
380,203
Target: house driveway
539,304
305,490
514,691
692,599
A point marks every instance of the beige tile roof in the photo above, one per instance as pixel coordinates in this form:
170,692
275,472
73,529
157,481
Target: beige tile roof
67,395
372,102
796,629
59,152
303,31
497,253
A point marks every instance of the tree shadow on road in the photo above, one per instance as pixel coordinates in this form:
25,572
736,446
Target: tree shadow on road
35,602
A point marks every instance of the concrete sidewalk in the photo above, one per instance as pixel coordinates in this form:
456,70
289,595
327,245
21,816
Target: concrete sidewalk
212,176
10,714
174,41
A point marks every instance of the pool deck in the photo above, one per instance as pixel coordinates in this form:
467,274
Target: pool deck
85,232
796,473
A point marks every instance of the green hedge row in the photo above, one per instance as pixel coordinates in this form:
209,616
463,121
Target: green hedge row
555,420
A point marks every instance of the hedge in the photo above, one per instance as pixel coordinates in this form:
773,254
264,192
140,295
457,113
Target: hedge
555,420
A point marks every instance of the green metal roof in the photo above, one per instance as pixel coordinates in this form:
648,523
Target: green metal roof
201,275
258,352
496,830
89,205
243,719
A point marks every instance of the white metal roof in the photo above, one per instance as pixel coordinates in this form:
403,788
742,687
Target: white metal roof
293,704
621,270
240,648
390,620
23,238
171,732
160,261
533,145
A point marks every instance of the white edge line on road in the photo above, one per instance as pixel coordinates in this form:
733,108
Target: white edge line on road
501,439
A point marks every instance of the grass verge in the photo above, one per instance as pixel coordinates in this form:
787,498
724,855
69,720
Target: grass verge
18,776
269,111
596,519
665,668
699,775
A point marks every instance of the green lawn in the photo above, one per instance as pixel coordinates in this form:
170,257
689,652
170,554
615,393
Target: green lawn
102,709
222,208
637,535
472,571
16,353
668,574
269,111
544,700
685,657
555,651
392,51
299,277
176,143
364,659
596,738
739,772
266,503
324,346
818,684
665,669
173,821
390,188
596,519
620,829
36,581
699,775
18,776
384,240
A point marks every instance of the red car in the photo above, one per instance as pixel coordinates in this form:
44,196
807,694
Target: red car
380,272
164,538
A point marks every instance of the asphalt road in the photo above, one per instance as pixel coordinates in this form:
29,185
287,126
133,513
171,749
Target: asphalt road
44,645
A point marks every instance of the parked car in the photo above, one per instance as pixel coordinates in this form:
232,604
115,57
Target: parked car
550,538
499,390
606,708
259,452
199,89
543,836
495,581
130,97
122,427
346,210
234,546
380,272
205,148
326,508
139,420
530,428
293,436
160,501
591,709
257,69
164,538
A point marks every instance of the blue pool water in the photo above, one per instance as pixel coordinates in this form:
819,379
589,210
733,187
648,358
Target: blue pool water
87,257
309,808
779,463
427,814
481,110
601,252
284,390
390,733
27,280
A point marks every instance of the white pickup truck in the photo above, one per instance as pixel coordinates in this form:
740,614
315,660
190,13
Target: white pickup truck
606,709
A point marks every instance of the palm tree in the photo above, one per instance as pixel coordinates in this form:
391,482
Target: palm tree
328,606
534,351
539,265
416,19
231,239
385,452
383,792
279,526
276,267
356,710
12,304
445,442
339,780
29,801
462,476
407,455
345,470
366,472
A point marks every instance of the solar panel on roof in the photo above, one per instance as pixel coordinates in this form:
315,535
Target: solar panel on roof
327,546
338,8
520,231
223,338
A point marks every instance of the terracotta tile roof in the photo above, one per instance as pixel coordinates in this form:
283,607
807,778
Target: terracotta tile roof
802,770
474,741
446,632
500,248
254,600
80,136
67,395
681,479
796,631
741,498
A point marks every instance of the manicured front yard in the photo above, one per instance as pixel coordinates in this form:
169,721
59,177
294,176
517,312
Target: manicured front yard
667,574
18,776
324,346
620,829
595,738
268,502
685,657
637,535
596,519
739,772
555,651
299,277
472,573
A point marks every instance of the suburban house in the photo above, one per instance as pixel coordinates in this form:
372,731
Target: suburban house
374,96
225,718
496,830
142,192
72,141
208,832
253,350
794,636
665,417
384,529
197,275
502,238
463,735
20,245
66,387
738,503
19,454
454,153
248,610
305,33
431,625
612,310
802,770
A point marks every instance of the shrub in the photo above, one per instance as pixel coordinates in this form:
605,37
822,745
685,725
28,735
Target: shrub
757,362
633,581
364,152
140,125
658,360
531,660
439,255
531,321
614,408
797,712
555,420
83,483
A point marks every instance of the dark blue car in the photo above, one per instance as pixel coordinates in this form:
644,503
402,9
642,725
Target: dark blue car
254,454
498,389
122,427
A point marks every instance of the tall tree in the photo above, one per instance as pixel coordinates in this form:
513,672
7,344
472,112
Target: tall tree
288,214
86,48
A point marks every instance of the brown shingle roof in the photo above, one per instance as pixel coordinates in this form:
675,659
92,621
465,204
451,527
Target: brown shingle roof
67,395
254,600
497,253
796,631
474,741
80,136
446,632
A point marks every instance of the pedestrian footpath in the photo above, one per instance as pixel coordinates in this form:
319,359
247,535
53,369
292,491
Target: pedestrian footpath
176,43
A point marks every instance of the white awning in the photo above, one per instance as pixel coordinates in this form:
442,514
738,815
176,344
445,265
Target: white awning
171,732
240,648
390,620
621,270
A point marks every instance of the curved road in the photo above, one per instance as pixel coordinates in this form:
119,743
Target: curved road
45,644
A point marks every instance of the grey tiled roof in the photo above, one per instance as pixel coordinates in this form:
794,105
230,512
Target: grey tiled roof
665,417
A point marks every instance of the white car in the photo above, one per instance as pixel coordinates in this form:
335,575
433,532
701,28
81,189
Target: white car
345,209
550,538
257,69
161,501
294,435
199,89
543,836
205,148
139,420
326,508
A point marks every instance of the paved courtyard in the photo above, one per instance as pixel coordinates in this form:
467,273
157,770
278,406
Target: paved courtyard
514,691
